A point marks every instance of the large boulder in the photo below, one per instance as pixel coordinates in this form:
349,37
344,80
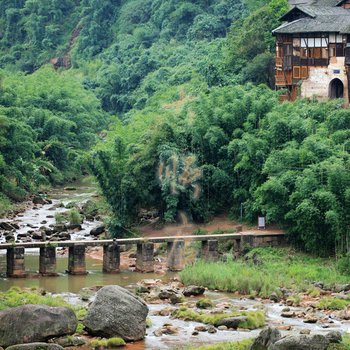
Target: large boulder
266,339
117,312
35,323
334,337
302,342
35,346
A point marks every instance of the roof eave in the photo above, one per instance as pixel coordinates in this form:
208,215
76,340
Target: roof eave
285,16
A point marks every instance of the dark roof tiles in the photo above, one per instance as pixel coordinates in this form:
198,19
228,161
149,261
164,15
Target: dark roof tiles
322,16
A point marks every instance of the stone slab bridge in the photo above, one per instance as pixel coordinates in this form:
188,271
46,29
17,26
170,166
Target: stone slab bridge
144,257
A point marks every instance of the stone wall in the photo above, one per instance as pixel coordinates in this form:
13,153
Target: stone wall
317,85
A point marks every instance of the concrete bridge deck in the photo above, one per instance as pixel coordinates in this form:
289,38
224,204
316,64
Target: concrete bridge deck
140,240
15,252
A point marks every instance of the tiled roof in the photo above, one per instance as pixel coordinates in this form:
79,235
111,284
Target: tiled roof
321,23
319,16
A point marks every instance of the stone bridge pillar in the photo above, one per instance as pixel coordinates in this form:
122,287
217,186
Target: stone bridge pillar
145,257
15,262
76,260
210,250
47,261
111,258
176,255
248,241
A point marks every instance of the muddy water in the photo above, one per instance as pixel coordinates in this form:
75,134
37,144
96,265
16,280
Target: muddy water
66,283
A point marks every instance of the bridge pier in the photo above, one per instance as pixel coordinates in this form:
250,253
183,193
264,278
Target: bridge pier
145,257
15,262
248,241
47,261
210,250
111,258
76,260
176,255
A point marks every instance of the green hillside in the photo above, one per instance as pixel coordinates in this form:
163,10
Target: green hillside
194,126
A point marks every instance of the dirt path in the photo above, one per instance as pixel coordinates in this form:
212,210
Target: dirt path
218,223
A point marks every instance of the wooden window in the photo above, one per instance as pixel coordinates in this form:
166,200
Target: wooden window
317,52
296,72
304,72
339,51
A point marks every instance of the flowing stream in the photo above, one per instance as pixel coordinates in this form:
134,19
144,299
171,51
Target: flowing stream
69,286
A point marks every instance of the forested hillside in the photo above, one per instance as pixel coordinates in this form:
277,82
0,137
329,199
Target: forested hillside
195,128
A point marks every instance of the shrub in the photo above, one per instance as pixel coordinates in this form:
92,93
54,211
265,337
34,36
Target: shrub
74,217
343,264
60,218
333,304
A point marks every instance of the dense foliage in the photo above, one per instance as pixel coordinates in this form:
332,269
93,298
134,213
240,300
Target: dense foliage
193,136
229,147
131,49
48,121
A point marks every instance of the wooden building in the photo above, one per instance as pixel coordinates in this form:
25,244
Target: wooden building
313,50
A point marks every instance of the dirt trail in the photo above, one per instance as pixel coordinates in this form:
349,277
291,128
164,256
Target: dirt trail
218,223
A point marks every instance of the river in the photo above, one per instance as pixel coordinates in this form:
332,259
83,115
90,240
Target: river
69,286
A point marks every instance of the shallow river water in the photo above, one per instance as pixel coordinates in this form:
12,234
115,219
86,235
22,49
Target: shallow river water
68,286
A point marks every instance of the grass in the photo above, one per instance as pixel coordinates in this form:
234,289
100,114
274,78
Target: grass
240,345
5,206
333,304
255,319
60,218
74,217
17,297
281,267
345,345
107,343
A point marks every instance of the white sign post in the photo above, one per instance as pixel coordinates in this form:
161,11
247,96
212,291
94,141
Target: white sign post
261,222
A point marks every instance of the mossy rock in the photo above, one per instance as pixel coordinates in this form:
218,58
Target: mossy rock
204,303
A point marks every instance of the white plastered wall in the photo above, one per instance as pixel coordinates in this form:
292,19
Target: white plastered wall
317,85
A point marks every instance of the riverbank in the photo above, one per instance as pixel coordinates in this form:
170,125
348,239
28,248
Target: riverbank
308,295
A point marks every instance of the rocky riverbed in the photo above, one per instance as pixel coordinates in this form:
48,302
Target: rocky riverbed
47,216
172,306
176,317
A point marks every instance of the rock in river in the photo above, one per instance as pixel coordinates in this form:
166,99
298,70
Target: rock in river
193,290
117,312
232,322
302,342
98,230
35,323
266,339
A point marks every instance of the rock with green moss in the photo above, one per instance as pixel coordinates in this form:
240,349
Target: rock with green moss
69,341
35,346
204,303
35,323
302,342
266,339
232,322
107,343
